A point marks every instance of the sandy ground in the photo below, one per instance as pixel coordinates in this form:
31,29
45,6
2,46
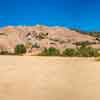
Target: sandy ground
47,78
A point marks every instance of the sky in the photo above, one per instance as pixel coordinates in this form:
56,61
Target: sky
79,14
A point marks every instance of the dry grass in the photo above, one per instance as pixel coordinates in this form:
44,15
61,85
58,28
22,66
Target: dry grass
49,78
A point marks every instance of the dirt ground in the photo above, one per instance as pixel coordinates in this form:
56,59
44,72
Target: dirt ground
49,78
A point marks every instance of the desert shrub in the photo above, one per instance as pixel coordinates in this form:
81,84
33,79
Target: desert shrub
97,58
84,43
87,52
20,49
70,52
50,52
82,51
4,52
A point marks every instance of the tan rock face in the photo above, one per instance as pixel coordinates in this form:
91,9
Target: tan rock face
58,37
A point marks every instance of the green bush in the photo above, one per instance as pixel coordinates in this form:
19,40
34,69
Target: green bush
20,49
88,52
82,51
70,52
50,52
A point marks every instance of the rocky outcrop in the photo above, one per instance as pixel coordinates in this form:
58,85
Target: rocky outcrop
41,37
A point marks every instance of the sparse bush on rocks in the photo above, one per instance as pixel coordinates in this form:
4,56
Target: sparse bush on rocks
85,43
35,46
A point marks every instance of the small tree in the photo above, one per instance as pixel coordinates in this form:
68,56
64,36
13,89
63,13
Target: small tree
20,49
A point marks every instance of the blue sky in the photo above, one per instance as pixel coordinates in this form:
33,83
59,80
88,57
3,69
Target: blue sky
82,14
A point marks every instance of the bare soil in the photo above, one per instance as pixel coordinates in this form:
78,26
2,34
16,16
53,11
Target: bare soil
49,78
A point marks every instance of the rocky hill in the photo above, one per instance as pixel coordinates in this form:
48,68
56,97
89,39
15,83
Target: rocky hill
42,37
